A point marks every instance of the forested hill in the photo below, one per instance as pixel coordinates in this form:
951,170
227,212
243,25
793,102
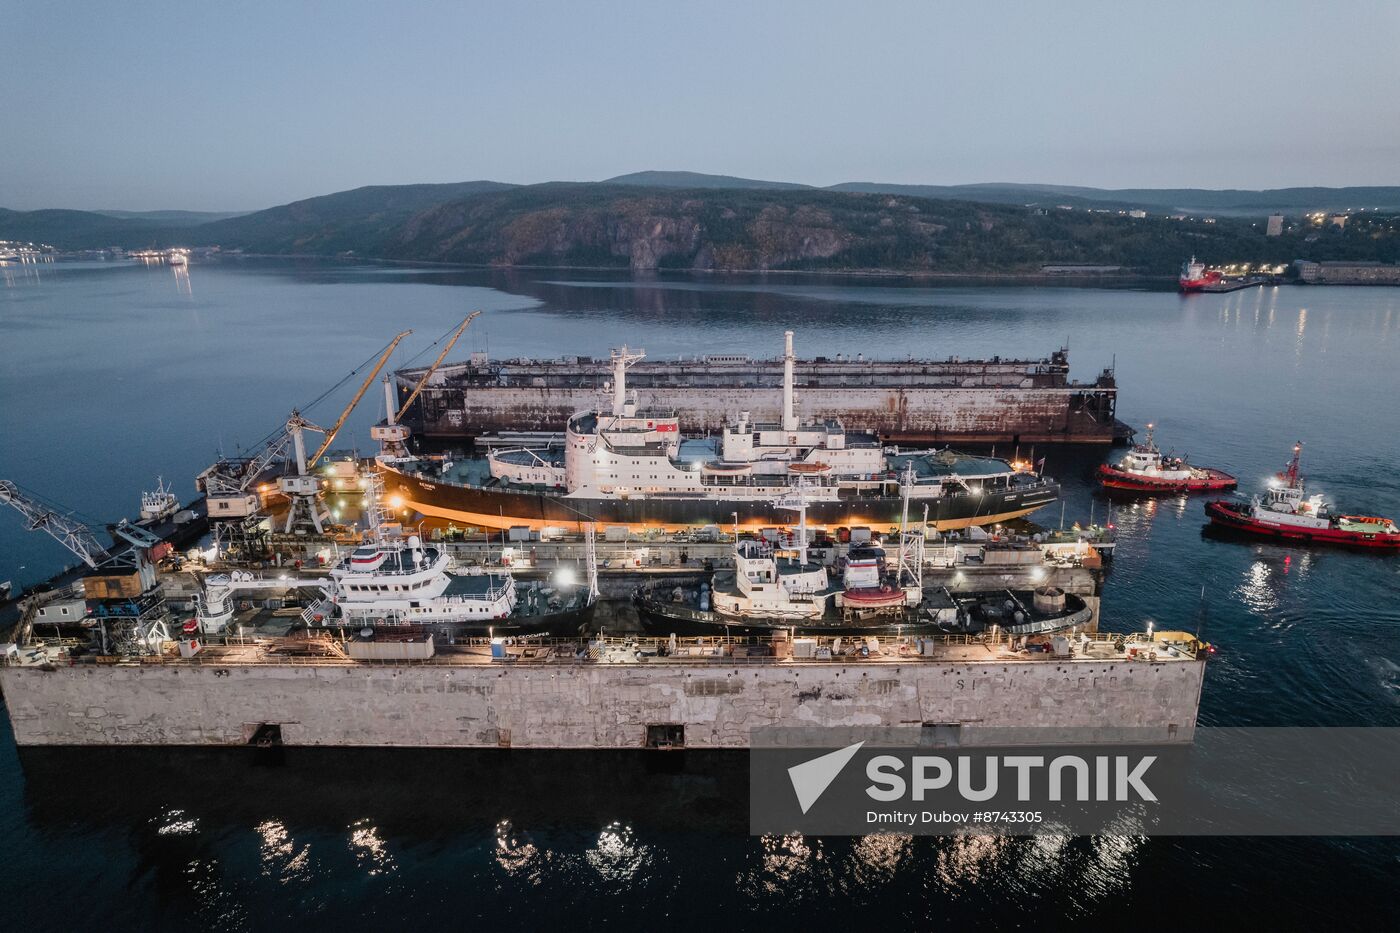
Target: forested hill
645,226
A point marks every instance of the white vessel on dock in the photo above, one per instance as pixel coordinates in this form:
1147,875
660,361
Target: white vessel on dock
627,465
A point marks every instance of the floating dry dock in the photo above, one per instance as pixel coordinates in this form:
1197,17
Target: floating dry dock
953,400
598,694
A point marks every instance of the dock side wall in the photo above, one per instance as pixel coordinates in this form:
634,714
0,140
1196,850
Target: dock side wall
580,706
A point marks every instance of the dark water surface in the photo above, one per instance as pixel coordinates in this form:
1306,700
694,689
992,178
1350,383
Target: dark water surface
111,374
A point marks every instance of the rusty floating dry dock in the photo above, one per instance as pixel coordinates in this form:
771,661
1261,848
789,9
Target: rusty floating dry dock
953,400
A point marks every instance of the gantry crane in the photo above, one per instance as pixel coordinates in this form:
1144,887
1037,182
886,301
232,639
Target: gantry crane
392,434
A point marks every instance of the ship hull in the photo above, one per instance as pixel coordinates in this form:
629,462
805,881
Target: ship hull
507,508
1116,479
564,623
1228,515
1197,285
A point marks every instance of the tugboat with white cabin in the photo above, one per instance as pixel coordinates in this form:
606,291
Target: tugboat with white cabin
1285,512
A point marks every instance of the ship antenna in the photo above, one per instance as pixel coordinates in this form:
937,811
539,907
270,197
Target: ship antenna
1293,464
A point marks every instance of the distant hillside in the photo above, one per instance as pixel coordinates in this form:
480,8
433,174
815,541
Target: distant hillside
79,229
173,218
699,180
354,220
1228,202
742,224
708,229
1225,203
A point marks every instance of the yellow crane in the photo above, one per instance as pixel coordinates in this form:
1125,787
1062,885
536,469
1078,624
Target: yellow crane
433,368
364,387
393,436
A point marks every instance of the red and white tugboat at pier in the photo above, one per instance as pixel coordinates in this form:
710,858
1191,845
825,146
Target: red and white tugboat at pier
1145,469
1285,512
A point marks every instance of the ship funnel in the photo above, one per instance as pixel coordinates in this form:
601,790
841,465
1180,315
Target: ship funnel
789,419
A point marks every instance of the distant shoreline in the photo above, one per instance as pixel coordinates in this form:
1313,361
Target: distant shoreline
1035,278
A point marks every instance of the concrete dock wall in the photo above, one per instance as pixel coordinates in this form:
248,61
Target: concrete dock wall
567,705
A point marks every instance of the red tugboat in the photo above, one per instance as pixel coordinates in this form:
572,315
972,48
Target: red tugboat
1284,512
1195,276
1144,469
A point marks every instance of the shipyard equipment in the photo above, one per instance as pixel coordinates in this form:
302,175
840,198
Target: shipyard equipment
231,485
123,597
393,434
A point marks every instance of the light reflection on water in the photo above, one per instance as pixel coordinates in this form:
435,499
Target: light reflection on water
370,849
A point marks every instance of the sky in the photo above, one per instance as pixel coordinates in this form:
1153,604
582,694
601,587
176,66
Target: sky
240,106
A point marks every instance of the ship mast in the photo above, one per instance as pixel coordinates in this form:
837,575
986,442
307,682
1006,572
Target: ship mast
1292,473
911,543
590,543
621,360
789,418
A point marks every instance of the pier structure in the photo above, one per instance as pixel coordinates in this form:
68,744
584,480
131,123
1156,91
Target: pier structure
604,693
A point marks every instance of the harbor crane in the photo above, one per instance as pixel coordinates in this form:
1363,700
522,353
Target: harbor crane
235,511
302,488
392,434
122,590
70,533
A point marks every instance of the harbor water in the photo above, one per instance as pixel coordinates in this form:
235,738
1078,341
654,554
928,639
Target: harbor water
112,373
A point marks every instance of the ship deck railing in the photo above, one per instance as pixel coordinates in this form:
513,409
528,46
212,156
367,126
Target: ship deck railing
1107,647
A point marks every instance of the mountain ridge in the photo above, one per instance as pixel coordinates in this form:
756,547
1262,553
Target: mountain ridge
658,220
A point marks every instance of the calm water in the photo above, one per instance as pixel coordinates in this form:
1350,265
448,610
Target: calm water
112,374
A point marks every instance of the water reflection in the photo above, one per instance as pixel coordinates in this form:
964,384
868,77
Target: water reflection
516,854
176,823
616,855
369,849
783,861
182,279
874,859
282,859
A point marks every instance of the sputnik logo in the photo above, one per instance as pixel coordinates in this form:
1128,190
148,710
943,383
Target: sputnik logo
811,778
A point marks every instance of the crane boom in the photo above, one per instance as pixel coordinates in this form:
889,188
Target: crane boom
73,535
364,387
433,368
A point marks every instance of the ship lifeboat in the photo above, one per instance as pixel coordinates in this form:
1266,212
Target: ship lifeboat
726,469
874,597
808,468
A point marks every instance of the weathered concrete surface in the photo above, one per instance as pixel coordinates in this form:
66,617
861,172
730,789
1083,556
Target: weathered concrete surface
1025,415
567,705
